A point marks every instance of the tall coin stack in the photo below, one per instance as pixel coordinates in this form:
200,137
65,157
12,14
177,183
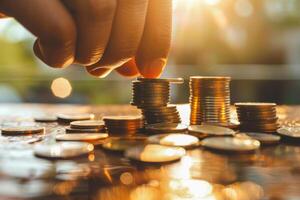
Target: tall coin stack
209,99
257,117
152,96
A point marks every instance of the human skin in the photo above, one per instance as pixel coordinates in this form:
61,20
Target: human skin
131,36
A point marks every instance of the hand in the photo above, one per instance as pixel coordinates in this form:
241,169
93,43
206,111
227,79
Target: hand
131,36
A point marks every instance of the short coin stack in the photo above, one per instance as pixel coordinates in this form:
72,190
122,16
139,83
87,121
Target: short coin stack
123,125
257,117
86,126
153,97
209,99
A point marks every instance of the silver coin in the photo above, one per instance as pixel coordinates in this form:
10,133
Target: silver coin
262,137
174,139
231,144
155,153
27,168
62,150
292,132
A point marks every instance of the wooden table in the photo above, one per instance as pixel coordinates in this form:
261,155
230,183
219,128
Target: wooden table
273,172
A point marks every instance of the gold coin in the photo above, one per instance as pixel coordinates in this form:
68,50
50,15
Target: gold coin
122,143
175,139
24,130
210,130
154,153
63,149
231,144
87,124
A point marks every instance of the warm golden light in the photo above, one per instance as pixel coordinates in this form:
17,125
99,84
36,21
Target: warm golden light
126,178
61,87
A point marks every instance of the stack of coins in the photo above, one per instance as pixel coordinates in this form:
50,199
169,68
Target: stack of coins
167,114
209,99
86,126
123,125
257,117
152,96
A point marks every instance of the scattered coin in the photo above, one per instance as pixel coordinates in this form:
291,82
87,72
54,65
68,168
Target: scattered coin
290,132
202,131
67,118
174,139
209,99
74,131
82,137
257,117
231,144
88,124
155,153
231,125
46,119
122,144
62,150
123,125
264,138
166,128
24,130
27,169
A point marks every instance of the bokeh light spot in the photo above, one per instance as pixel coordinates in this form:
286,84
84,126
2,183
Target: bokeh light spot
61,87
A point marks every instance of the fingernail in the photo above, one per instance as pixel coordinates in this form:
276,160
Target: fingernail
51,57
153,69
100,72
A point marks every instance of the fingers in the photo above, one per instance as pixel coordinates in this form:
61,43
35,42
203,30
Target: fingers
154,48
126,34
51,23
129,69
94,20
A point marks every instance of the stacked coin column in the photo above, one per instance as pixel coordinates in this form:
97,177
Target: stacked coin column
152,96
209,99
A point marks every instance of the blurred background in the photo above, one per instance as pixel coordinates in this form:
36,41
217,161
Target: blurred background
256,42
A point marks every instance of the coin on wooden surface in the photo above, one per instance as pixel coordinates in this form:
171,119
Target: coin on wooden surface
290,131
264,138
77,130
22,130
82,137
87,124
31,168
123,143
62,150
155,153
45,119
175,139
67,118
210,130
231,144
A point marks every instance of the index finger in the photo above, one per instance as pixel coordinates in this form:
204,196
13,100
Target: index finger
152,54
